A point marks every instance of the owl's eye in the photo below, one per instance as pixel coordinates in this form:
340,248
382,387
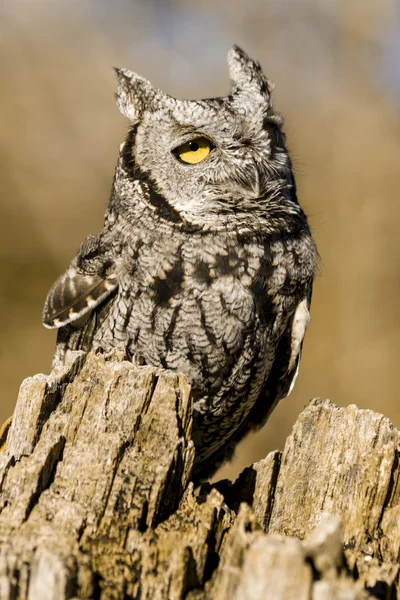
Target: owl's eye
194,151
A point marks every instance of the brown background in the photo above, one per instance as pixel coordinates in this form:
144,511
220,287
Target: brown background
335,64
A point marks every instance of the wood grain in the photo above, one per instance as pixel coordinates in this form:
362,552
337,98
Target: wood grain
96,499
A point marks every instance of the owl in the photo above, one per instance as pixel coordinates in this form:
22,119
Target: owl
205,264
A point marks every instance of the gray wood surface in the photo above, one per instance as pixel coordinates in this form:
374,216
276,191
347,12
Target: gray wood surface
96,500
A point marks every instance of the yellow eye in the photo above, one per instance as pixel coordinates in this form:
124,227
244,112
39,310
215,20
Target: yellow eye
194,151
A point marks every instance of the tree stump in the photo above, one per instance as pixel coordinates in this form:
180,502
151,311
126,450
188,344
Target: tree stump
96,499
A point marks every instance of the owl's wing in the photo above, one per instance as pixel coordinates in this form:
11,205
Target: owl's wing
285,368
287,360
74,295
88,281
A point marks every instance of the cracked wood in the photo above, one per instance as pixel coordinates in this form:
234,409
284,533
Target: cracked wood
96,500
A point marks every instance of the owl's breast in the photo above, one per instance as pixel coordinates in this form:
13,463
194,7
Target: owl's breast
198,328
192,307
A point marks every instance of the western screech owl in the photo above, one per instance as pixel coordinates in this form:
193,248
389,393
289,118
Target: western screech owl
205,264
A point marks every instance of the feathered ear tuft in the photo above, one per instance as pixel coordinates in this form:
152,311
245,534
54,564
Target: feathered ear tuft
136,94
133,95
247,76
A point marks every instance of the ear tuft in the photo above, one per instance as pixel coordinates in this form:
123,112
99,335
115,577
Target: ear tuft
247,75
134,94
237,64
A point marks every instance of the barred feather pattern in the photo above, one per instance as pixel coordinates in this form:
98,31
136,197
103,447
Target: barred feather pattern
207,269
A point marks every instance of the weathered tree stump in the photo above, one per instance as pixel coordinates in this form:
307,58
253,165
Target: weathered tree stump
96,499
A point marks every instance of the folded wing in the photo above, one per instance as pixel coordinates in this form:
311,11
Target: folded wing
74,295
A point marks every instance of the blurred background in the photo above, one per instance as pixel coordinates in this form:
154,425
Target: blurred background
336,66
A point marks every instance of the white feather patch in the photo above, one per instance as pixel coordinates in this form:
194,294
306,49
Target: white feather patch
300,324
294,379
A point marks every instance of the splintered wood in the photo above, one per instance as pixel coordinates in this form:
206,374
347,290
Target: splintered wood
96,500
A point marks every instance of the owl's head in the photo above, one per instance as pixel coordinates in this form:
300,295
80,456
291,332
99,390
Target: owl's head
215,163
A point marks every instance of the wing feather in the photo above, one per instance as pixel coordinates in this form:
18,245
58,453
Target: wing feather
299,326
285,368
74,295
283,375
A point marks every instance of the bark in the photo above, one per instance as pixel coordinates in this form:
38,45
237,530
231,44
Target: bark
96,499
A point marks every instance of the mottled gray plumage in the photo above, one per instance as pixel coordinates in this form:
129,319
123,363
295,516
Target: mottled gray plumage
204,268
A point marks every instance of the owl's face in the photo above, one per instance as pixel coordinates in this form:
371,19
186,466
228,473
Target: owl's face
215,160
